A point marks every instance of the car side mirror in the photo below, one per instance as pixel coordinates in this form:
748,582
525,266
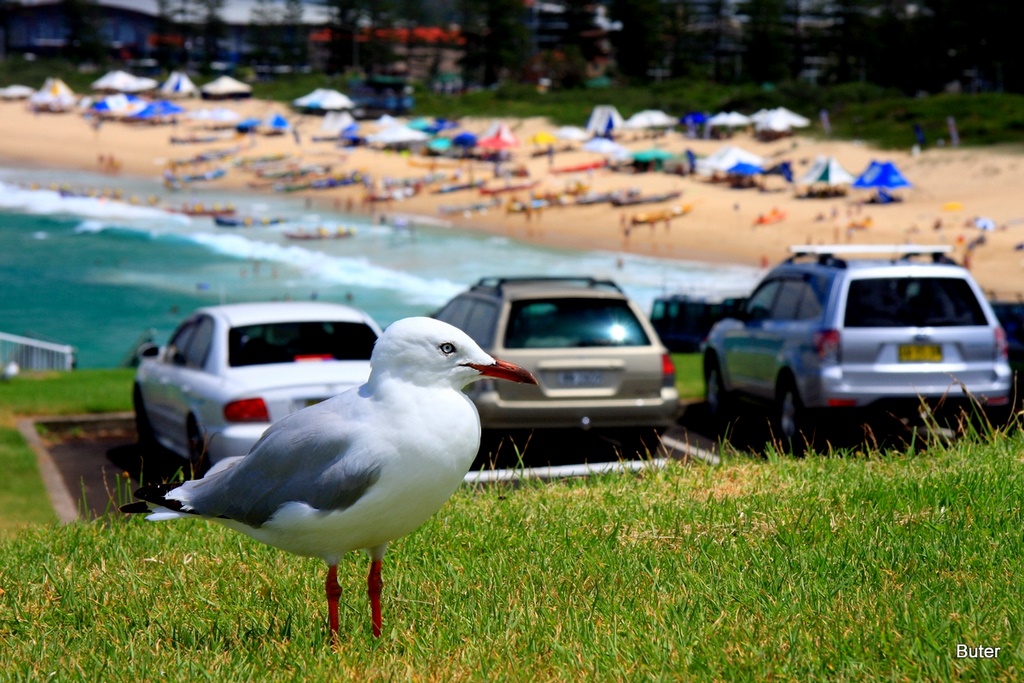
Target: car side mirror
148,350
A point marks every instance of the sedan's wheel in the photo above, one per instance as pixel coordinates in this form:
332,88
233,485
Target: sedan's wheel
198,459
789,414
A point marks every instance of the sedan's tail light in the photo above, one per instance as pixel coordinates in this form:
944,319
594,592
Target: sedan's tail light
1002,346
247,410
668,371
826,343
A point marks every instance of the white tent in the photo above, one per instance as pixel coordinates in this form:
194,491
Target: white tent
336,121
178,84
216,115
604,119
649,118
122,81
827,171
397,135
725,158
779,120
225,86
55,95
324,99
16,92
729,119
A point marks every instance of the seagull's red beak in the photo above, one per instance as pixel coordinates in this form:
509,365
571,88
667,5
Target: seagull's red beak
505,370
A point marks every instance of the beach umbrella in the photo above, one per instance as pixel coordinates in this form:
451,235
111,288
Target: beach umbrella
572,133
122,81
652,154
729,119
466,139
881,175
440,125
606,147
649,118
543,138
503,138
336,121
420,124
16,92
248,124
158,109
226,86
440,144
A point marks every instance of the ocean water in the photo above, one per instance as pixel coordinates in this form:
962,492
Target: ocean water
101,274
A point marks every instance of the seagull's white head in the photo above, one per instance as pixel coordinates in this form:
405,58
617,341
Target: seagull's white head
429,352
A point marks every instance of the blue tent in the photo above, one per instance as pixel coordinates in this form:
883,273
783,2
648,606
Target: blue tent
464,140
248,124
160,108
743,168
881,175
694,118
277,122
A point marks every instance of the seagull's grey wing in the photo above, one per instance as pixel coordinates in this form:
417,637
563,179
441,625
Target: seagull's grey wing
313,457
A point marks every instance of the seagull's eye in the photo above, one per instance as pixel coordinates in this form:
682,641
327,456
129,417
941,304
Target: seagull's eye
447,348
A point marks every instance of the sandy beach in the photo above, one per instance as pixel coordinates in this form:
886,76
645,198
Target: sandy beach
951,188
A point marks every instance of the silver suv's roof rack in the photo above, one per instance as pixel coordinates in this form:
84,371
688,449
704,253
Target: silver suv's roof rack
895,249
831,254
499,282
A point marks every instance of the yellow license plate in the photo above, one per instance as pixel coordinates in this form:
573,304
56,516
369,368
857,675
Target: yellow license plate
920,353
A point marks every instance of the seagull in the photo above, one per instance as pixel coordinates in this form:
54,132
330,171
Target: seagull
358,470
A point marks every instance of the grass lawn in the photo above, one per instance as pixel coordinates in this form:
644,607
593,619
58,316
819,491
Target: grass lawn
22,497
840,569
827,568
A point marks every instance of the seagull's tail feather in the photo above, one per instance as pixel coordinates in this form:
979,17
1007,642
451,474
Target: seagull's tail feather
163,507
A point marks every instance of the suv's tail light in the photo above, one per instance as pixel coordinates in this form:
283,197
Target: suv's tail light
247,410
668,371
826,343
1002,346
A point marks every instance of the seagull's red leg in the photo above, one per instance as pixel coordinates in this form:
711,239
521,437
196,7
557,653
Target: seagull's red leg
374,585
333,591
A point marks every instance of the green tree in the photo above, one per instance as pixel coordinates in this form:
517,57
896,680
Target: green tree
496,39
82,34
766,41
640,45
264,21
212,28
294,34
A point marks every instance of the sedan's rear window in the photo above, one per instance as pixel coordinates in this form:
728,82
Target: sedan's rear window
573,323
299,341
913,302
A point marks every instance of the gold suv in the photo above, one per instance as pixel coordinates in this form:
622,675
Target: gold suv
598,361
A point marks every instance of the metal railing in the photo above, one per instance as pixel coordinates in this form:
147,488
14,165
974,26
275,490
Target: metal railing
33,354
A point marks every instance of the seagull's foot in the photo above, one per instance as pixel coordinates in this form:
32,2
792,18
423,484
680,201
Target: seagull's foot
374,586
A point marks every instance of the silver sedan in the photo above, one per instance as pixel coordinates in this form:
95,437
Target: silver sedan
230,371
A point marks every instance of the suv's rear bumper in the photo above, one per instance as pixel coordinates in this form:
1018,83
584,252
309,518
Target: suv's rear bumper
662,411
830,390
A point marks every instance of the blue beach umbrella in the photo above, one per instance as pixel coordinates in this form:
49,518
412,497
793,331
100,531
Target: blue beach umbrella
743,168
464,140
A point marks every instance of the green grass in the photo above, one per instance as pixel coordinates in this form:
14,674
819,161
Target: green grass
840,569
23,499
689,375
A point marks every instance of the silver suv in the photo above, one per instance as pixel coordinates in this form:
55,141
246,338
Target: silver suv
597,359
823,331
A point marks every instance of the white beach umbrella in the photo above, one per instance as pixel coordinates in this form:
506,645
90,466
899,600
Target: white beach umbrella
572,134
649,118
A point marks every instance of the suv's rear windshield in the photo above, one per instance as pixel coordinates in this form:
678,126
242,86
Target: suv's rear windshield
572,323
912,302
299,341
